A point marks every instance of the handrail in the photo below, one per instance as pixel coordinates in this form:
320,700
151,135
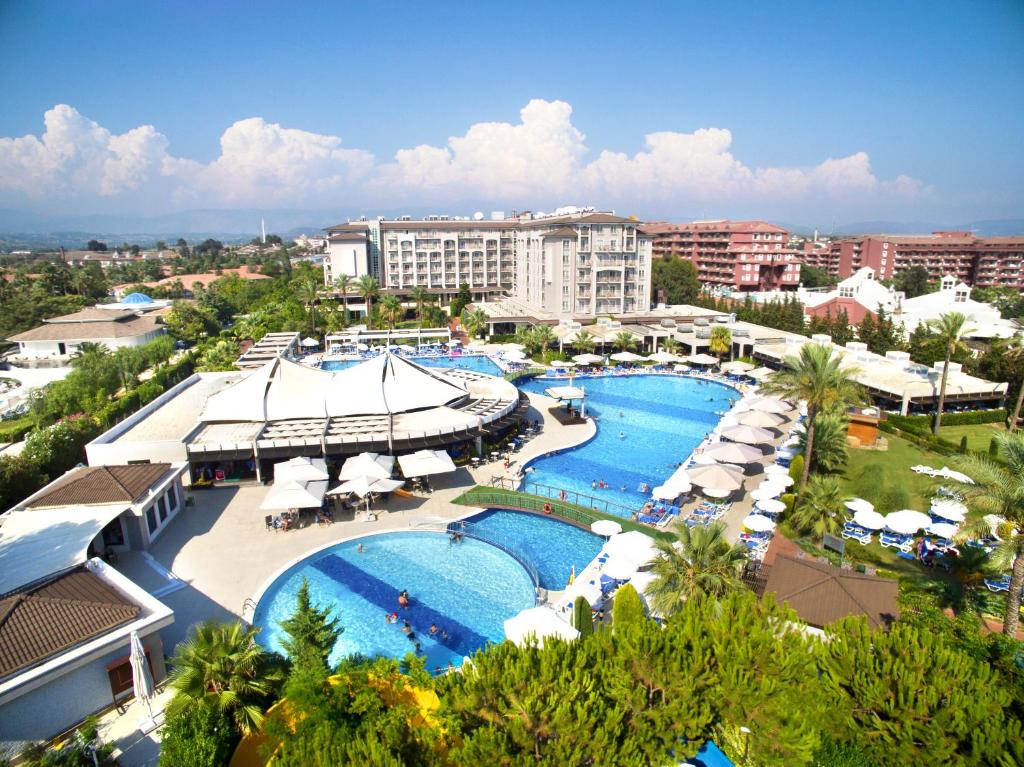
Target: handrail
571,496
469,530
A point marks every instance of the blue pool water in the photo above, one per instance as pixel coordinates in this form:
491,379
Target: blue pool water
481,363
468,589
662,419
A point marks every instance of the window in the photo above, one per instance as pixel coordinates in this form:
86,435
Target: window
151,522
172,497
161,504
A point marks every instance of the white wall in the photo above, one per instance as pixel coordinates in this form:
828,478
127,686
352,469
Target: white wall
47,349
349,258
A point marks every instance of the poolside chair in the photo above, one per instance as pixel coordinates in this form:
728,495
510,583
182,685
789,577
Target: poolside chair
995,586
268,522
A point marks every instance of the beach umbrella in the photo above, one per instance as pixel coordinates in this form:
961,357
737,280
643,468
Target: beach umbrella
859,504
309,343
563,364
626,357
539,623
751,435
367,465
906,521
702,359
587,589
869,519
758,523
513,347
301,469
424,462
717,492
620,568
720,476
665,492
294,495
663,356
733,452
142,678
633,545
943,529
766,493
954,511
681,368
588,359
778,479
362,347
760,374
363,486
771,506
736,366
605,527
767,404
515,356
774,468
760,419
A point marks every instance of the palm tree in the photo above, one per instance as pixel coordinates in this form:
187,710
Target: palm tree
307,291
818,378
999,489
221,664
700,561
421,296
585,342
830,451
473,321
543,337
342,283
820,511
87,348
1015,355
949,328
624,341
720,342
671,345
368,288
390,310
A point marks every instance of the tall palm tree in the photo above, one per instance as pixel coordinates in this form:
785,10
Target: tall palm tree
671,345
368,288
999,489
390,310
830,450
700,561
222,664
720,342
473,321
342,283
1015,354
421,296
624,341
818,378
543,337
307,291
950,327
585,342
87,348
820,510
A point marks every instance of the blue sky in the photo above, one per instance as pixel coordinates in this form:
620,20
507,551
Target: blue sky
917,104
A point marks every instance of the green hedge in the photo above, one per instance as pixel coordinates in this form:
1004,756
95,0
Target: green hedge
925,439
923,423
15,431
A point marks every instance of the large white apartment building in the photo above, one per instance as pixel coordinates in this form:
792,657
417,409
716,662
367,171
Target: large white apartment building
577,265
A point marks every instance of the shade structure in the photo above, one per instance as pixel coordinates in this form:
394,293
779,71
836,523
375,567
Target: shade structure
717,492
721,476
943,529
733,452
605,527
702,359
758,523
681,368
736,366
869,519
859,504
750,435
589,590
538,623
368,465
663,356
424,462
774,468
771,506
514,347
142,678
363,486
563,364
950,510
767,405
310,342
620,568
294,495
783,480
635,546
666,492
565,392
906,521
301,470
766,493
626,357
760,419
956,476
760,374
588,359
515,356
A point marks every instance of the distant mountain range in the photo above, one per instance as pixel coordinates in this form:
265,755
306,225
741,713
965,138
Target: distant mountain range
24,229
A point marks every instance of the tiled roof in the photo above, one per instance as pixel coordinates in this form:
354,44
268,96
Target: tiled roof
92,485
43,620
93,314
348,237
562,231
90,330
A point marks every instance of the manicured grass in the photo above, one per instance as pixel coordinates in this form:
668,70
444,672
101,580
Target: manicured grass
869,472
978,436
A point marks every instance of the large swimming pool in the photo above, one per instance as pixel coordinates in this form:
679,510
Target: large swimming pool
466,589
646,425
481,363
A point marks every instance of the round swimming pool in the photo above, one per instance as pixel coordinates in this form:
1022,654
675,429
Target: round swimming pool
646,425
468,589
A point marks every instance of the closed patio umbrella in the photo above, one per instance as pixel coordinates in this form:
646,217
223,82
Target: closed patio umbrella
733,452
720,476
142,678
751,435
760,419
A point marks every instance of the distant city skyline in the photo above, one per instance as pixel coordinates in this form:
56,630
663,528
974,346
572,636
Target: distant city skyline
791,113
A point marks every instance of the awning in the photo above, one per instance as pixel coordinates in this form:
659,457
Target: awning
295,495
367,465
301,470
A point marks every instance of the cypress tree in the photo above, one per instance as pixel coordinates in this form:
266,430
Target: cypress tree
627,608
312,632
582,617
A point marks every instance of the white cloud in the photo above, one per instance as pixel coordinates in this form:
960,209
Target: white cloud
539,160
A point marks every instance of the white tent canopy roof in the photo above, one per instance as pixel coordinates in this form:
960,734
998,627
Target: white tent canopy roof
588,359
367,465
294,495
565,392
702,359
301,469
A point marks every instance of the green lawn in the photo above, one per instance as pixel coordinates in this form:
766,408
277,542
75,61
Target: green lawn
978,436
885,478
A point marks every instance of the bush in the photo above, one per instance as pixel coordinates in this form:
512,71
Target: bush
993,447
197,736
148,392
790,500
627,607
582,619
796,469
922,423
963,445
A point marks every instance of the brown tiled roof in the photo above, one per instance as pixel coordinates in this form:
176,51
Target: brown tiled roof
822,594
93,314
94,485
89,330
43,620
347,237
562,231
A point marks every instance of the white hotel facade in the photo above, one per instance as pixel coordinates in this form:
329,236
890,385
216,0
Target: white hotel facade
580,265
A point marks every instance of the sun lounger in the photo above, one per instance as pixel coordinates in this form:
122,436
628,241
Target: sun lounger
995,586
901,542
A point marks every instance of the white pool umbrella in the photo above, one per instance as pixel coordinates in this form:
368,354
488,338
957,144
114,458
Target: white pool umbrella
766,493
310,342
758,523
859,504
784,480
771,506
906,521
362,347
367,465
515,356
759,418
142,678
702,359
767,404
733,452
538,623
750,435
721,476
663,356
626,357
954,511
869,519
681,368
605,527
736,366
513,347
774,468
362,486
633,545
717,492
424,462
588,359
563,364
620,568
943,529
294,495
301,469
665,492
